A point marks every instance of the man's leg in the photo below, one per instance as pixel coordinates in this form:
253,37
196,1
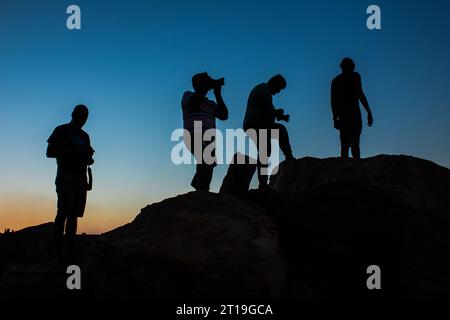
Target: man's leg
58,234
283,138
254,135
345,144
79,196
71,232
205,170
356,153
71,226
204,176
194,182
344,151
264,147
63,204
190,144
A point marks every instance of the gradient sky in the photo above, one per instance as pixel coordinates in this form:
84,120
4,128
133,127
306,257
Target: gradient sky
132,60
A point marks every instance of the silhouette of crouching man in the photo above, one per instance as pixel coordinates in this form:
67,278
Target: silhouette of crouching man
71,147
261,115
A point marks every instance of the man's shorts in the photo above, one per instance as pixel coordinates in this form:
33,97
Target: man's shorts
189,141
72,194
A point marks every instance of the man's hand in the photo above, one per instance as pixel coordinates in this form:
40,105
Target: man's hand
218,88
369,120
88,153
279,114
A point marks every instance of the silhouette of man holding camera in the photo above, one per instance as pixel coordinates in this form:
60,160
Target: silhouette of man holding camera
71,147
261,114
346,93
199,116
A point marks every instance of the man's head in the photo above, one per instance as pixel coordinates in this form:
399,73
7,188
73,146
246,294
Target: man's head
276,84
80,115
347,65
201,82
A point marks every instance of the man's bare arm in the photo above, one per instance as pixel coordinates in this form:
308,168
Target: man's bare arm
222,110
362,97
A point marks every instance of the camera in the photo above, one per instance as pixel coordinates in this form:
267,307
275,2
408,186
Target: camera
216,83
89,153
279,114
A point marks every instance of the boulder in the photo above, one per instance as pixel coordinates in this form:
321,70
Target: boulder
239,175
313,235
29,245
390,211
200,246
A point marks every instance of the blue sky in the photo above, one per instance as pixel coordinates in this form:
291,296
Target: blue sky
132,61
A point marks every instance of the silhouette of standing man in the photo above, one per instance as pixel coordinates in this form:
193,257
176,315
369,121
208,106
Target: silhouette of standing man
261,114
346,93
197,108
71,147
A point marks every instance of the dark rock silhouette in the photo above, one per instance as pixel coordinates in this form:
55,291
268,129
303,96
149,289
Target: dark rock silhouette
239,175
198,245
29,245
27,268
311,237
391,211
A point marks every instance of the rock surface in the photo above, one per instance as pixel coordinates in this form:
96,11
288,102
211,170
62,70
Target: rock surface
239,175
390,211
195,246
312,237
199,245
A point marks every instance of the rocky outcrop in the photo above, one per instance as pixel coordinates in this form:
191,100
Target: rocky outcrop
312,237
28,245
195,246
199,245
390,211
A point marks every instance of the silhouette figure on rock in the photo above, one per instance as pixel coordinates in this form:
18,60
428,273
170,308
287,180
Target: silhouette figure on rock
261,115
199,116
346,93
71,147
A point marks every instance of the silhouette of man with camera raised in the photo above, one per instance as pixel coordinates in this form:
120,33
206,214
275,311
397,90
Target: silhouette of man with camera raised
261,115
71,147
346,93
199,116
